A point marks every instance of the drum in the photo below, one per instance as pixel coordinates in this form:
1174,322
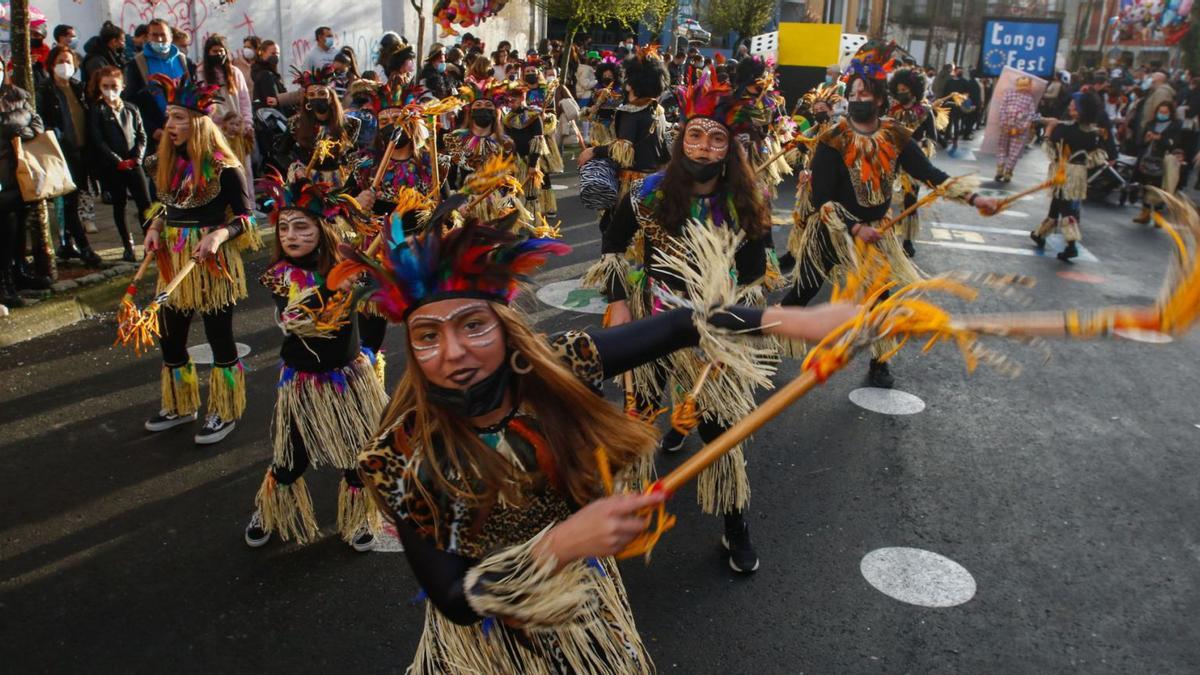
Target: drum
599,184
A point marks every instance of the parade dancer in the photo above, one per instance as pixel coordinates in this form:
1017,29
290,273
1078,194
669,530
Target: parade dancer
480,139
487,459
854,169
758,109
606,98
709,181
321,138
208,219
907,88
1082,145
523,123
328,397
816,109
1018,109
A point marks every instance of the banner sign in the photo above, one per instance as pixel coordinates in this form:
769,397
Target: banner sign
1025,44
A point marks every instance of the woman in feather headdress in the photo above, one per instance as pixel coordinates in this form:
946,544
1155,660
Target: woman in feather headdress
488,459
854,169
328,397
321,138
480,141
709,181
525,124
208,219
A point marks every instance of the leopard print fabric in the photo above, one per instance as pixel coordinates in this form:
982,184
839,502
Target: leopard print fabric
578,352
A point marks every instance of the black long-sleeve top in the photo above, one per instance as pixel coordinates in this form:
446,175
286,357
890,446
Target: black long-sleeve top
287,278
1080,141
650,151
441,573
233,195
831,179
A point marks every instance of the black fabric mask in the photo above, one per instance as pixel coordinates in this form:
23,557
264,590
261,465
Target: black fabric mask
319,105
481,398
904,99
35,42
273,61
821,117
702,171
483,117
861,111
214,60
531,79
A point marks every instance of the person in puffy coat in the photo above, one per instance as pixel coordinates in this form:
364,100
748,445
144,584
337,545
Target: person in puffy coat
18,119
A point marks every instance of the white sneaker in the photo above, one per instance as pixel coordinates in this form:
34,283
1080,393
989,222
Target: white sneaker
256,534
363,540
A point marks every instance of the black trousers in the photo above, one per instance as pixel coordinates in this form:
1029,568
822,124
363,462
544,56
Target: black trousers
121,185
72,227
12,228
288,475
372,330
218,328
812,274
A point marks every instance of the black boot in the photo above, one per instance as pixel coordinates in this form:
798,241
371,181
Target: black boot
1038,240
8,291
1071,251
742,556
879,375
787,262
90,258
67,251
672,441
909,250
129,255
30,282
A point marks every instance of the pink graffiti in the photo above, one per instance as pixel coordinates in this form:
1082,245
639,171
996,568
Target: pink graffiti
300,49
176,12
246,23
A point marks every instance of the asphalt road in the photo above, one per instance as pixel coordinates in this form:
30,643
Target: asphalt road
1069,494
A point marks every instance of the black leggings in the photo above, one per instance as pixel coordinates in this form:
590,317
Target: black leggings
72,226
121,184
12,229
811,276
372,329
287,476
218,328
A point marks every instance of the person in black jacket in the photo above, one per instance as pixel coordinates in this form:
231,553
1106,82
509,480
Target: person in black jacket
18,119
268,83
61,104
105,49
1160,153
329,397
119,141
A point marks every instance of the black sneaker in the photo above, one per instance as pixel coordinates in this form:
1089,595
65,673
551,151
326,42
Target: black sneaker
363,540
214,430
742,557
1038,240
787,262
1069,252
672,442
256,534
908,248
165,420
880,375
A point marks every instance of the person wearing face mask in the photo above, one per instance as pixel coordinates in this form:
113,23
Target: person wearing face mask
38,51
606,98
525,124
18,119
1157,91
816,109
909,108
157,57
322,52
1018,107
105,49
209,220
433,73
119,140
268,83
1083,144
328,399
61,103
708,181
1160,155
321,138
235,97
854,170
244,58
480,138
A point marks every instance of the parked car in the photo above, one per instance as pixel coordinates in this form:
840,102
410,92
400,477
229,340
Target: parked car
692,31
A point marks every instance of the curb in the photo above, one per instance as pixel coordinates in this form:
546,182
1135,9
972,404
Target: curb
62,310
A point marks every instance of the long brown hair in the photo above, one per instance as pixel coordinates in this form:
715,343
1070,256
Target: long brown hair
749,205
205,141
327,242
306,130
575,422
210,73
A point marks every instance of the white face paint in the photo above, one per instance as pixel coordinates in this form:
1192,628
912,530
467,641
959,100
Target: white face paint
299,234
456,342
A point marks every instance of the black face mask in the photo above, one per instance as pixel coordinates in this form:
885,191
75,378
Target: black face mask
531,79
481,398
214,61
861,111
904,99
319,106
821,117
273,61
483,117
702,172
35,42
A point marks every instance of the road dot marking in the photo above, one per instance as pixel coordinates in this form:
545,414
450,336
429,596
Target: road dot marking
1081,277
918,577
559,188
570,295
1138,335
202,353
887,401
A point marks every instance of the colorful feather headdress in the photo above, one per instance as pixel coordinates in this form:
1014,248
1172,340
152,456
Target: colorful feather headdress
874,60
706,97
472,261
495,91
186,93
319,199
398,95
821,93
321,77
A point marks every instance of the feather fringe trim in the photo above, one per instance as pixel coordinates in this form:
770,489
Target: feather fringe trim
1075,187
210,287
250,239
724,487
601,134
287,510
526,589
355,510
333,412
227,391
960,189
621,152
813,248
547,202
609,270
180,389
538,146
381,369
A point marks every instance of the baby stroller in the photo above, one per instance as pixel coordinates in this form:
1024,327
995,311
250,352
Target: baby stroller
269,125
1105,179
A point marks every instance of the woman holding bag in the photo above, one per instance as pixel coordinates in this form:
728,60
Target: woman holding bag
18,119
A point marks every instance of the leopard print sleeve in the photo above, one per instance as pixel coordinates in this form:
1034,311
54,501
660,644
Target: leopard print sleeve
390,470
578,352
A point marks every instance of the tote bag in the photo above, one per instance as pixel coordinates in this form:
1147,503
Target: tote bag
42,171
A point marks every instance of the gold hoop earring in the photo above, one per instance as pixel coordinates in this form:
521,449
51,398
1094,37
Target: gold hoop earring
512,361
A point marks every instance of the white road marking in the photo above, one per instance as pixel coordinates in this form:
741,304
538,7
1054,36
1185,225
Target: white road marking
202,353
887,401
570,296
1014,214
1084,254
918,577
1139,335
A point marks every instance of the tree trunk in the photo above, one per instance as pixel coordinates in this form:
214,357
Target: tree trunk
572,29
22,70
419,7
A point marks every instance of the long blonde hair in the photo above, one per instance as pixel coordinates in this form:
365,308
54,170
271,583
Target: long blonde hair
574,422
205,141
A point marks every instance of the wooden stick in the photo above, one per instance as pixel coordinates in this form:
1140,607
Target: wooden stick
383,163
741,430
908,211
437,171
627,381
1008,201
178,279
708,368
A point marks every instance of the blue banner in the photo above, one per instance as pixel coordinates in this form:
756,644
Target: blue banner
1025,44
